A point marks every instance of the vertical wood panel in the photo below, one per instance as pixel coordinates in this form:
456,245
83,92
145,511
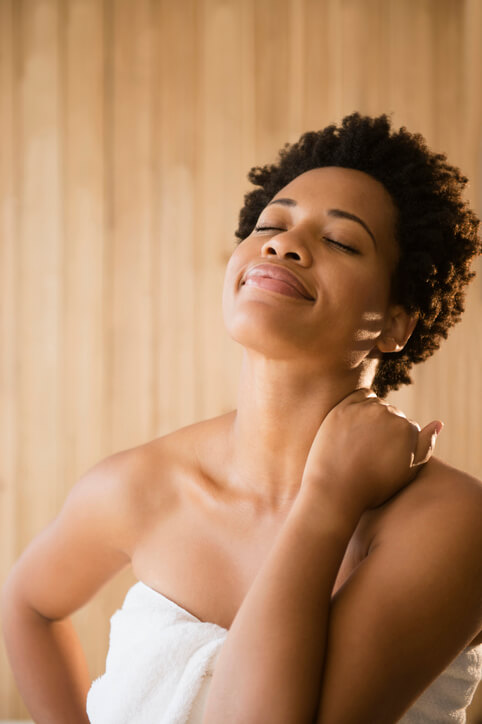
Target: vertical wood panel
273,93
411,87
323,52
177,237
121,176
40,263
221,101
32,251
8,319
471,109
86,434
131,320
364,41
448,71
83,229
297,70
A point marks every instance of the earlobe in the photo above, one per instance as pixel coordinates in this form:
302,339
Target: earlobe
398,330
389,344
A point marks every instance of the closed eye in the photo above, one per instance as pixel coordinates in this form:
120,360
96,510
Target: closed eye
268,228
349,249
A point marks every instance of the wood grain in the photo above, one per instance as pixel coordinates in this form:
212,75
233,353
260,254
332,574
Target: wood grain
127,133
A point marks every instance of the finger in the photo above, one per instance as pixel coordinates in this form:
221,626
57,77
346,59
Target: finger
414,422
426,442
400,413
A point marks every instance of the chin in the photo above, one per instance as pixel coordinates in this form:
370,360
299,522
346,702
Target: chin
271,338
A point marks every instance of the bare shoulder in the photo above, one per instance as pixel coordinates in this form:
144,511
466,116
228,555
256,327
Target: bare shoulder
156,477
135,485
441,493
438,518
116,491
102,522
450,480
138,485
442,506
96,530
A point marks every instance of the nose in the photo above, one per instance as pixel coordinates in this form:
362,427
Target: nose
287,245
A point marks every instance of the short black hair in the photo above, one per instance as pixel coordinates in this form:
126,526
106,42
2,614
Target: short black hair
436,230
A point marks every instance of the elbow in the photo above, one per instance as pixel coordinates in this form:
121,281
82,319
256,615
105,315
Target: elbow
14,605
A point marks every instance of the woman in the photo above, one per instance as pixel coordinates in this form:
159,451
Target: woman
324,564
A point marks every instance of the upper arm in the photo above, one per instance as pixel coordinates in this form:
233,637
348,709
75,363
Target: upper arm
85,545
406,611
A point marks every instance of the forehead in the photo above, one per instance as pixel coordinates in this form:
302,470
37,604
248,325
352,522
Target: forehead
320,189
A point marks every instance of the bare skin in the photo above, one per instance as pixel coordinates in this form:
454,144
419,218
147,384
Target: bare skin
221,539
198,513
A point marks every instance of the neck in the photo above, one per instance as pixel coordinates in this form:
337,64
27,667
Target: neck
281,405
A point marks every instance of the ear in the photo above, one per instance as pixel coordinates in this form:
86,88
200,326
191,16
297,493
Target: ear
397,329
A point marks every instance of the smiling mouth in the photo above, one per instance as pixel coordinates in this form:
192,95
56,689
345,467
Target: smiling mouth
277,278
280,286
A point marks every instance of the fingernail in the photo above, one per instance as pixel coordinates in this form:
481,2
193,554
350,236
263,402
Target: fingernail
438,428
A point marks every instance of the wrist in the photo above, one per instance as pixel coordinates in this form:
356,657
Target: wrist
324,507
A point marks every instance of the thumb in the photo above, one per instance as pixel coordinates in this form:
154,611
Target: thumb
427,438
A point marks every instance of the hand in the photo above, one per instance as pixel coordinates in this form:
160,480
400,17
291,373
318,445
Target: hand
365,451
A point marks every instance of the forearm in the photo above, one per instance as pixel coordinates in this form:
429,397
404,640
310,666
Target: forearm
49,665
270,666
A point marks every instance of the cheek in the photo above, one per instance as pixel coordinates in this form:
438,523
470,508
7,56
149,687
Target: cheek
231,278
364,298
237,263
373,286
374,297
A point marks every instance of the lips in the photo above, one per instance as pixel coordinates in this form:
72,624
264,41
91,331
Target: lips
276,271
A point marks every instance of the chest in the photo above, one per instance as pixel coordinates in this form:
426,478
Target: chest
206,564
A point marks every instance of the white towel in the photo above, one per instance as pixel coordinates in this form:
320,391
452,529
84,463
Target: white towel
446,699
161,660
159,664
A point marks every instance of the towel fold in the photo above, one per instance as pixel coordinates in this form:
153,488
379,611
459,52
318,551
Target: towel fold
158,666
161,660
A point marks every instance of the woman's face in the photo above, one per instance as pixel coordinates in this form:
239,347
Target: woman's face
337,234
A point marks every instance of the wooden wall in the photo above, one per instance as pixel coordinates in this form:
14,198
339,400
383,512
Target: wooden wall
127,128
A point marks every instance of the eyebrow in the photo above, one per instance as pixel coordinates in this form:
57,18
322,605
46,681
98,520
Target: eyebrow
337,213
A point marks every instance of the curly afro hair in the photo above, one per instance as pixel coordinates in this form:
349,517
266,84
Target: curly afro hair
436,230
